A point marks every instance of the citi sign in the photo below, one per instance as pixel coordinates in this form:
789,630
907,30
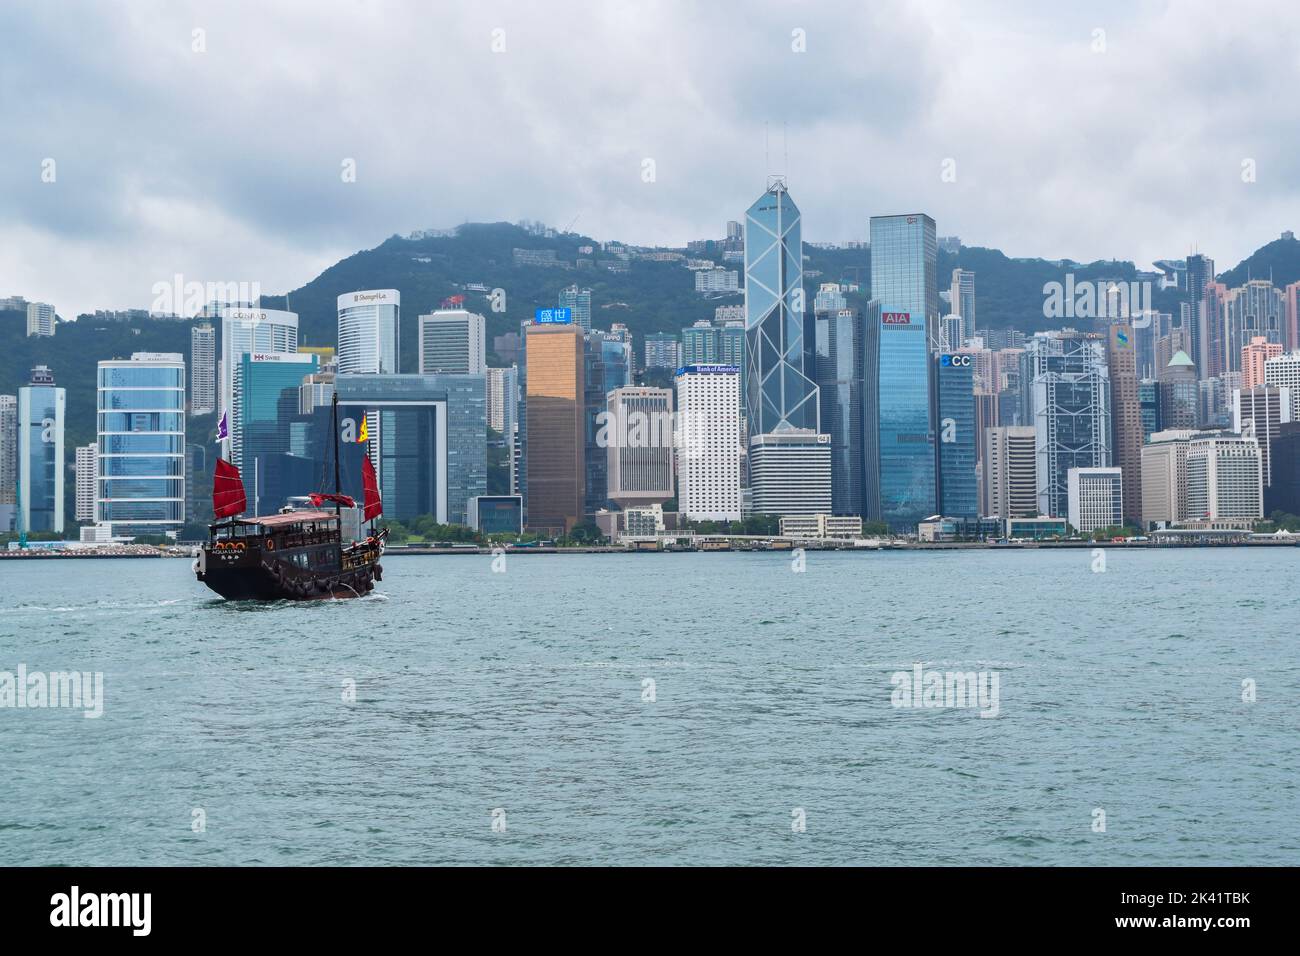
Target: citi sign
895,318
954,361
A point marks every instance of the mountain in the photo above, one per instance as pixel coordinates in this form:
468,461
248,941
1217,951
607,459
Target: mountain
1279,261
649,297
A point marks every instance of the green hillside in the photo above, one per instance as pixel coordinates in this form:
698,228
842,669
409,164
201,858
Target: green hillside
1279,261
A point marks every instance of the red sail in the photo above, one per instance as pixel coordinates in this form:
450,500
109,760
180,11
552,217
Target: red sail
227,490
373,506
318,498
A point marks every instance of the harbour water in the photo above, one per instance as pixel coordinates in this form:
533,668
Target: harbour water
664,709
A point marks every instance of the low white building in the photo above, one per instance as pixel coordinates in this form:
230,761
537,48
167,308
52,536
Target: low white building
821,526
1095,498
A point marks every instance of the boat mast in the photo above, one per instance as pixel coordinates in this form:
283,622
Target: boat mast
338,489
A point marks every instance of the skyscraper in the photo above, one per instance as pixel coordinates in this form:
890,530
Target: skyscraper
1010,483
781,394
203,369
503,415
1067,397
904,269
269,385
1284,493
839,382
369,332
40,319
40,454
86,465
556,460
662,350
1126,416
901,333
701,344
140,472
1149,403
1260,412
8,453
598,379
1291,302
452,341
1224,480
1200,274
955,449
245,330
1254,310
1179,393
1253,356
1285,370
962,296
790,473
502,397
708,445
429,441
1164,477
579,301
898,438
639,445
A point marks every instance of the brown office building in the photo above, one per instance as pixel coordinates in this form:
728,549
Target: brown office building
556,467
1126,417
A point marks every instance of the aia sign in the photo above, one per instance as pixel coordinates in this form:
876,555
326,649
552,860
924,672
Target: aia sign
895,318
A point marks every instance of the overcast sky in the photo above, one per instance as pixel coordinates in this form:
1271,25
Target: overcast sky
226,165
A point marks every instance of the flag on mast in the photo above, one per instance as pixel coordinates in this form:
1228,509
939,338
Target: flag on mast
223,429
364,434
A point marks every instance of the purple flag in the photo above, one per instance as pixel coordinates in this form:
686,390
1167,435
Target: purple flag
223,431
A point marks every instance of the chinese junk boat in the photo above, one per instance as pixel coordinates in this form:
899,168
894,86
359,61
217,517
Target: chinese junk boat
293,555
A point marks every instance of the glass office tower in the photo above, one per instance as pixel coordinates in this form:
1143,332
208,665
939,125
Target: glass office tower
430,440
368,332
904,268
839,382
898,443
39,482
955,440
579,302
780,392
902,332
140,475
269,385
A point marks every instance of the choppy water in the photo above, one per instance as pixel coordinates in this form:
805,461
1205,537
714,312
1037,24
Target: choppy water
523,691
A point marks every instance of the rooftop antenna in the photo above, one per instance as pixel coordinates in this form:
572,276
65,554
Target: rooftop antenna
785,146
767,158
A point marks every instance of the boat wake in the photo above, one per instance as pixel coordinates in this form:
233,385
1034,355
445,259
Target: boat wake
94,606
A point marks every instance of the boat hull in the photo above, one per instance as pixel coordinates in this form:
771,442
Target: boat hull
254,575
